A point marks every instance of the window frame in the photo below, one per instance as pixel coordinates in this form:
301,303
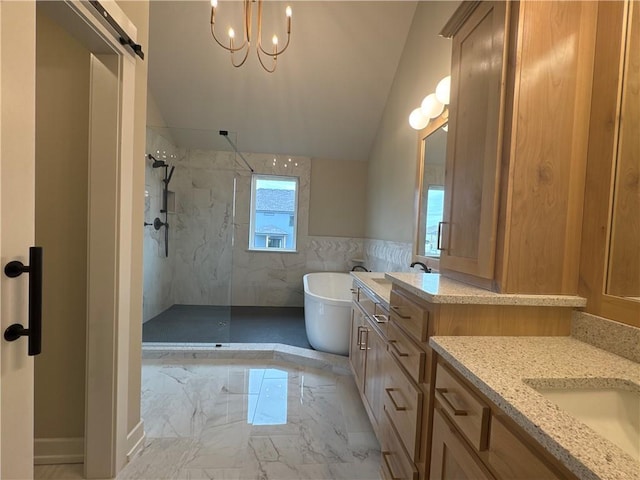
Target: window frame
252,214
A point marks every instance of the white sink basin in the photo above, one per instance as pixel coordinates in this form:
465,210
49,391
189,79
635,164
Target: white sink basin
613,413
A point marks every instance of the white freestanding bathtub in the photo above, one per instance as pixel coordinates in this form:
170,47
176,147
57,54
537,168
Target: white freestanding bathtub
327,311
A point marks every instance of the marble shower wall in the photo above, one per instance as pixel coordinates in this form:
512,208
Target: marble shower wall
158,269
203,183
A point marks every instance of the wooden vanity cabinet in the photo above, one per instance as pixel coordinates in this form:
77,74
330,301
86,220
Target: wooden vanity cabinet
411,368
473,439
521,82
367,350
451,458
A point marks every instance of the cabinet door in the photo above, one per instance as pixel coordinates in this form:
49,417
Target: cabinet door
374,371
451,459
474,143
357,347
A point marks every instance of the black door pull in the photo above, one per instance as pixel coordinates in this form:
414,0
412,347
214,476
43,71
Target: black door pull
34,269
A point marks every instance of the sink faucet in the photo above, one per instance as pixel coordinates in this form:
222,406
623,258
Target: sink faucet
360,268
422,265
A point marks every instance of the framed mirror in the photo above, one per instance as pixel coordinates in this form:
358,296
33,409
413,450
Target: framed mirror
429,194
623,268
610,248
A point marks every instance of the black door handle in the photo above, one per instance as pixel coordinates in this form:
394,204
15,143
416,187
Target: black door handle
34,269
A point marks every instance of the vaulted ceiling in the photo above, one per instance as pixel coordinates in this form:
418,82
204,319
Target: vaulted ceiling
325,99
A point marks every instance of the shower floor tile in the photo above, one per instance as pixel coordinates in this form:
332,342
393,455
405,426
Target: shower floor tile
215,324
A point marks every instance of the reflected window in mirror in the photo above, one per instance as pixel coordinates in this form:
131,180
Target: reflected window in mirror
434,211
432,154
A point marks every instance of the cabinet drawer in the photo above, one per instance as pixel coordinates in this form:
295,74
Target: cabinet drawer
367,304
413,317
403,404
396,465
509,457
407,353
380,317
451,457
373,309
464,408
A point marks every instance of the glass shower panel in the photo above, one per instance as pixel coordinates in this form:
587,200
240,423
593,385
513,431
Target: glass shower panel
187,295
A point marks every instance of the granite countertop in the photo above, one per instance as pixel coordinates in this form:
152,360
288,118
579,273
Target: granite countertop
435,288
376,283
504,368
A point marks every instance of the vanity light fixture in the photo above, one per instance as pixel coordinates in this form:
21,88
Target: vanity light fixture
246,39
432,106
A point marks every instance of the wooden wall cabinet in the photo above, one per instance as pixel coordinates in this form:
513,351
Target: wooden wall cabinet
521,84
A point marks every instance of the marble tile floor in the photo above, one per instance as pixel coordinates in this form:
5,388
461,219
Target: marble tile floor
236,419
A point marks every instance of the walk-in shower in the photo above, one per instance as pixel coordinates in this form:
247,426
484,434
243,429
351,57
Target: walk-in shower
208,285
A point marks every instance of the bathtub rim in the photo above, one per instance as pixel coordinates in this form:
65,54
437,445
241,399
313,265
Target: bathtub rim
322,299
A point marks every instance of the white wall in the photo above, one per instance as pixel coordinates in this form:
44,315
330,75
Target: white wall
392,165
62,117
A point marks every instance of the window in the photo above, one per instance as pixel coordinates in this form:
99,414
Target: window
274,213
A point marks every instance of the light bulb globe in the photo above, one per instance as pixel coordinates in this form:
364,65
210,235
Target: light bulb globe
443,90
431,107
417,120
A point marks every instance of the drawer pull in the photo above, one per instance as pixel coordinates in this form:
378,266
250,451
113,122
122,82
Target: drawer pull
354,290
363,343
397,311
396,349
456,411
359,342
395,405
381,318
386,464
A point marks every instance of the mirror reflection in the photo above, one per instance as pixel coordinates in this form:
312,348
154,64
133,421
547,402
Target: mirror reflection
623,278
431,189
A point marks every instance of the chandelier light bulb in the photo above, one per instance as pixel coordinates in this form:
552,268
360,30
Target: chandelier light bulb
417,120
431,107
443,90
214,3
232,34
275,40
288,11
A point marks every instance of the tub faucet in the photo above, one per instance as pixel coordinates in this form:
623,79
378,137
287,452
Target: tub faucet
422,265
359,268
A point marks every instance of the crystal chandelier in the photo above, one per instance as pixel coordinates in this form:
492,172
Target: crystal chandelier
246,40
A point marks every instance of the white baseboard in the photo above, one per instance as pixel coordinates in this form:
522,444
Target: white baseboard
53,451
135,440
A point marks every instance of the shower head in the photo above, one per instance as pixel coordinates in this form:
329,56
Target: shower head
156,163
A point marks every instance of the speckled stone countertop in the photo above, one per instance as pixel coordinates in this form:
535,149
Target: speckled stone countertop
436,288
376,283
504,368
